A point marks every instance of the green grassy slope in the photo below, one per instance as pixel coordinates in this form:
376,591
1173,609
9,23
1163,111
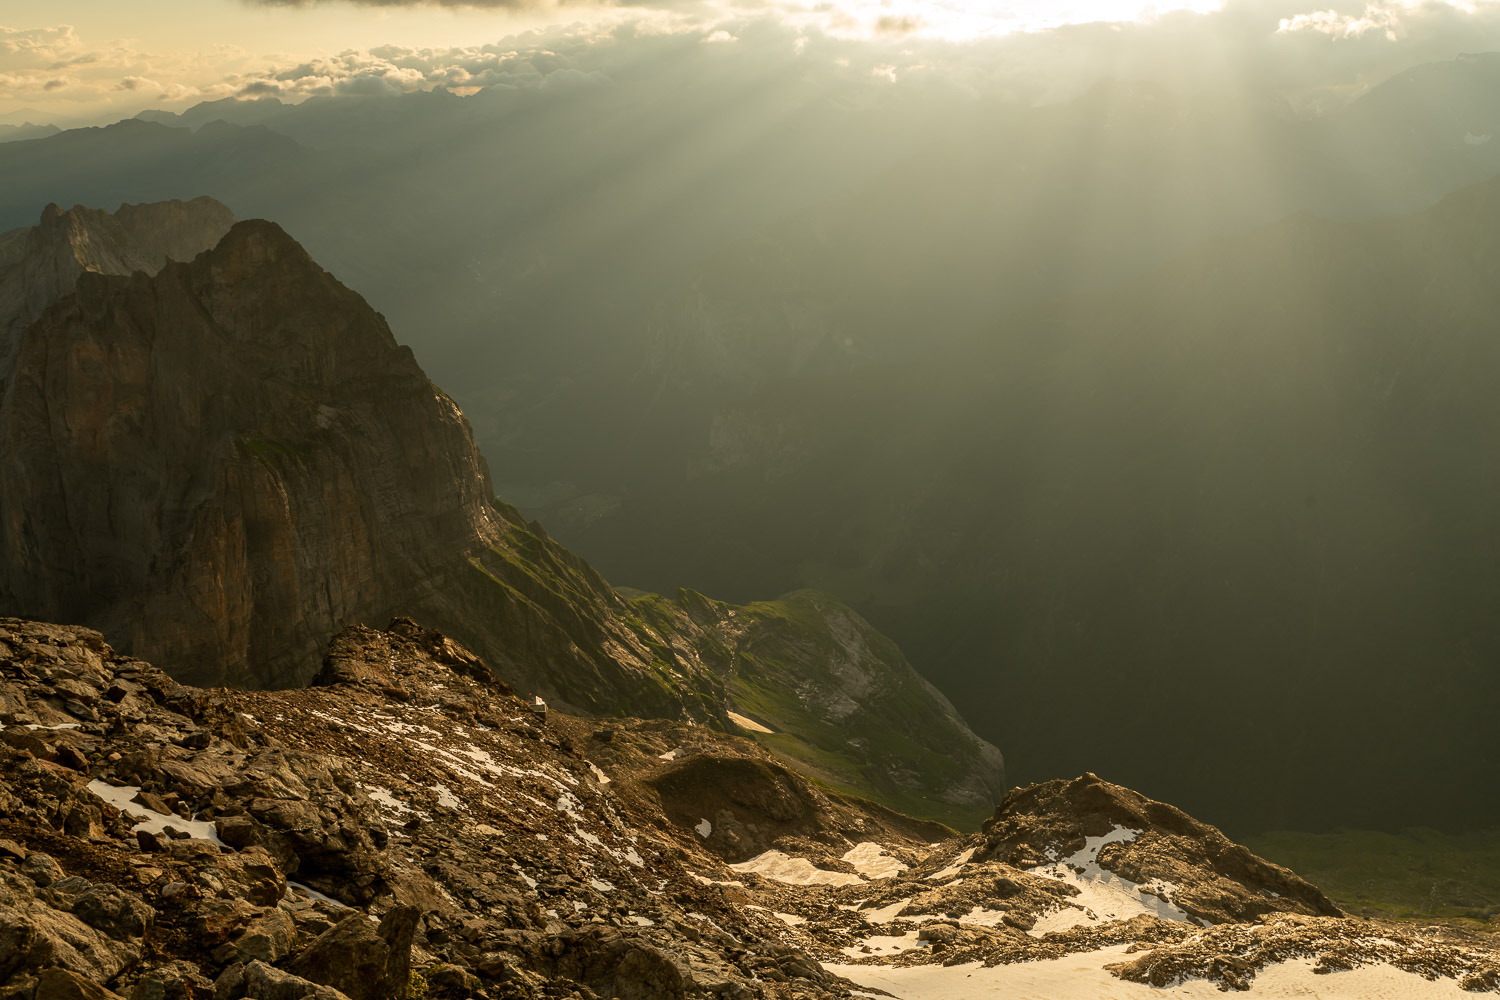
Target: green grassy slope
1416,874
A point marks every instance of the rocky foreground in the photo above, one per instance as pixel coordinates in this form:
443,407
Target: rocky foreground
406,826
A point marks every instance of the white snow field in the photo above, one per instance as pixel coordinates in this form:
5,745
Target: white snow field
1084,977
783,867
871,861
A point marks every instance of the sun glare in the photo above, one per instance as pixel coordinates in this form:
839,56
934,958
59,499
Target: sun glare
957,20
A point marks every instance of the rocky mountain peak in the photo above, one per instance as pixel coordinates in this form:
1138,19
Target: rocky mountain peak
40,264
247,459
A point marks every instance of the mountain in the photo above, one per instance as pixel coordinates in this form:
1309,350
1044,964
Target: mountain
222,463
40,264
1242,501
402,828
26,130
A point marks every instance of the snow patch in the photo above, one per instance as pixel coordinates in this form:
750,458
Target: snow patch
880,945
708,881
1083,976
885,914
447,799
151,821
568,804
953,868
871,861
745,722
782,867
1102,895
386,800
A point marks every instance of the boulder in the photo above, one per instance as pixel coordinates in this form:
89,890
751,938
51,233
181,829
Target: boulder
259,981
62,984
114,912
363,961
22,943
175,981
267,938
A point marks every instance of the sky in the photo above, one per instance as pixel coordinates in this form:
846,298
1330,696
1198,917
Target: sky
94,61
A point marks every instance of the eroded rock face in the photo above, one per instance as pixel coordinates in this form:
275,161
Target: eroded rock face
220,465
1213,878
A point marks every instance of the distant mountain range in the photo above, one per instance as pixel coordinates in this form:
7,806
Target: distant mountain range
14,133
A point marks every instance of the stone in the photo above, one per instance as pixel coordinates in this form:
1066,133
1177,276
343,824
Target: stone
26,742
22,944
62,984
259,981
41,869
361,960
253,875
449,982
267,938
114,912
71,757
175,981
238,832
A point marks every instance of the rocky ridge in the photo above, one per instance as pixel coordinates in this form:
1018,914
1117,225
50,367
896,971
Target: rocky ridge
404,825
40,264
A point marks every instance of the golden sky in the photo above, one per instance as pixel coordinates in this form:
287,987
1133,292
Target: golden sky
94,61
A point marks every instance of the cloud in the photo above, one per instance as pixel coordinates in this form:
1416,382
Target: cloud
891,24
1317,54
39,43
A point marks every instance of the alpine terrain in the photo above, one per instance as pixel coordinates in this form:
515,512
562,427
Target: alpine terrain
294,707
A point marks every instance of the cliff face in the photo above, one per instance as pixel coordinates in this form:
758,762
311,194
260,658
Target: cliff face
220,464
